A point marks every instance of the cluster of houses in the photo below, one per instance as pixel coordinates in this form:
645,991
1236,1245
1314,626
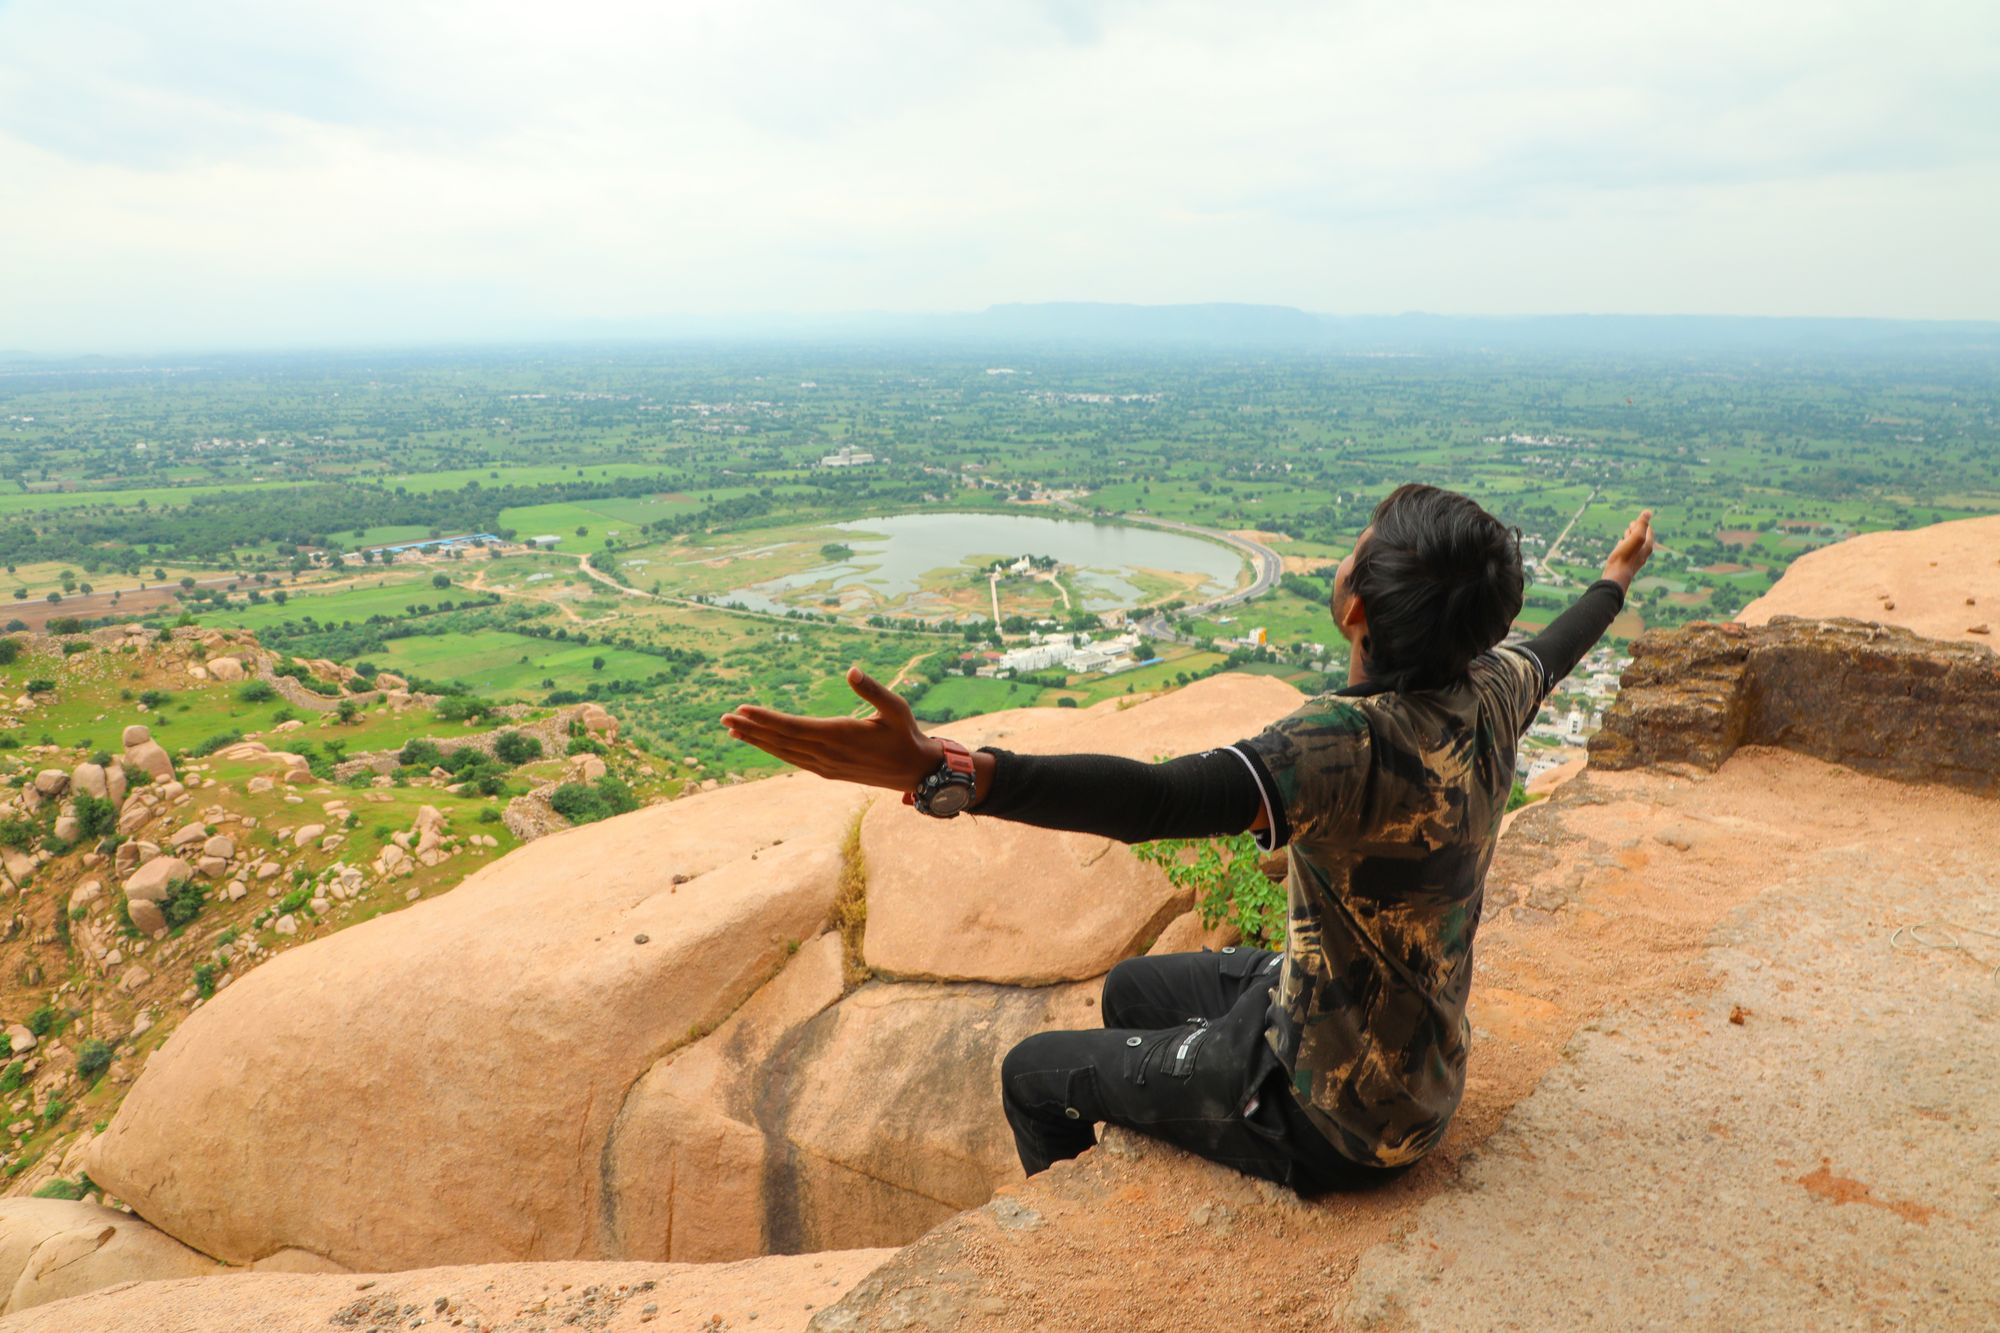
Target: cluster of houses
1574,711
1077,654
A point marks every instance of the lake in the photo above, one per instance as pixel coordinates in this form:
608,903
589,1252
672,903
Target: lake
893,557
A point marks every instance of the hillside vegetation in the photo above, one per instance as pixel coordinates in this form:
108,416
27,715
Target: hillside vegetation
178,806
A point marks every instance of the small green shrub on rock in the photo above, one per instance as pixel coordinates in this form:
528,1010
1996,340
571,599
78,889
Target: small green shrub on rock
93,1058
220,740
184,902
586,803
98,816
420,754
61,1188
511,747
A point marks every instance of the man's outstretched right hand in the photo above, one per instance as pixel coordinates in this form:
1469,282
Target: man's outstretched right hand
886,750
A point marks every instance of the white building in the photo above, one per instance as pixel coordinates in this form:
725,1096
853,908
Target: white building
1035,657
847,456
545,542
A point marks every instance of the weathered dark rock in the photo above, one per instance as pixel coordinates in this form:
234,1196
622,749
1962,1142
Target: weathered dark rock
1872,697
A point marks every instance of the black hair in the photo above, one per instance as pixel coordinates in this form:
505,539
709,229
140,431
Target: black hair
1441,579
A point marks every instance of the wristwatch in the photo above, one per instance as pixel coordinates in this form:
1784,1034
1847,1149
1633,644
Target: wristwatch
948,790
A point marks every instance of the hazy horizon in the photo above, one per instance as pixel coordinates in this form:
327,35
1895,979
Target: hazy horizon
223,175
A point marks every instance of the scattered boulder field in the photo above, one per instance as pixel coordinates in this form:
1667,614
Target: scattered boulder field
142,881
731,1060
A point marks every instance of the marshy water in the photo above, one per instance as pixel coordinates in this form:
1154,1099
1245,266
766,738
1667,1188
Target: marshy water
893,555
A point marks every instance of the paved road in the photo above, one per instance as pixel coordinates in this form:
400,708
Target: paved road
1263,560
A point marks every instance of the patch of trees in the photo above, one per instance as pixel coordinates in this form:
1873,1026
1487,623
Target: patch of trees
208,529
1306,586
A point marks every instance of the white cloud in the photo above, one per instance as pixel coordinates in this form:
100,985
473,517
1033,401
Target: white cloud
237,173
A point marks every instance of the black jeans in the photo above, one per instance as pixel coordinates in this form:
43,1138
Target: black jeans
1181,1053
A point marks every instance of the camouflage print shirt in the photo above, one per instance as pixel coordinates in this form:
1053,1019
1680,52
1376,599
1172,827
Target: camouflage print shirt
1391,804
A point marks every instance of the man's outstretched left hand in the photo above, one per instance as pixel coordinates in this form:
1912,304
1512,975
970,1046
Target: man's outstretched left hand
886,750
1632,552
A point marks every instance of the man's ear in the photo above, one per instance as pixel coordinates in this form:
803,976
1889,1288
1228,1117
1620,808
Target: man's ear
1353,616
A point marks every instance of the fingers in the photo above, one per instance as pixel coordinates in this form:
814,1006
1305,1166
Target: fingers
886,701
815,758
827,763
1638,533
779,729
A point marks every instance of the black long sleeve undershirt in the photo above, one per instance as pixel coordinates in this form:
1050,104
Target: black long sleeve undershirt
1215,792
1564,641
1194,796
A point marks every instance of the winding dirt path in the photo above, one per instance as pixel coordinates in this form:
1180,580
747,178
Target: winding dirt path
902,674
478,584
1555,547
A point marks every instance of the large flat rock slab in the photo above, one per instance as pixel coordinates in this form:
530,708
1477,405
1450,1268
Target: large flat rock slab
54,1248
440,1084
807,1123
1811,1142
1627,1155
1943,581
973,899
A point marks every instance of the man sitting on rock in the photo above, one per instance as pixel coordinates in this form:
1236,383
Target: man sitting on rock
1343,1056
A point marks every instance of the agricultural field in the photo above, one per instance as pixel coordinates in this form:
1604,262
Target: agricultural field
511,666
585,526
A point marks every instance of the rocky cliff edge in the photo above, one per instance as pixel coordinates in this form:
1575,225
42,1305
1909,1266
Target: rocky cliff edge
1733,1041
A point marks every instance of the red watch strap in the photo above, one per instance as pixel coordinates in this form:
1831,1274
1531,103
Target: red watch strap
956,757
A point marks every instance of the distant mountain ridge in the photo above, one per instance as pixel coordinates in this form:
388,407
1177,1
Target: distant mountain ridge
1094,321
1416,332
1266,329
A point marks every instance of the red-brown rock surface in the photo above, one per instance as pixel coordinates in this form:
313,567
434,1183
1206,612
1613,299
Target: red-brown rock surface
1711,1085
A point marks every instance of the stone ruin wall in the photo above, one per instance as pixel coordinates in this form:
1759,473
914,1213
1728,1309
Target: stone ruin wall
1872,697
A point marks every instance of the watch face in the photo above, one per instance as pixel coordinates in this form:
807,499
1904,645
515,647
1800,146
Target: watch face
950,798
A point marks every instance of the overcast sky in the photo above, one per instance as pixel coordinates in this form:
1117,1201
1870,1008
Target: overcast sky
207,172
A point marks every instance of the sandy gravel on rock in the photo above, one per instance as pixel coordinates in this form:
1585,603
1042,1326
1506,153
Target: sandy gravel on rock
772,1295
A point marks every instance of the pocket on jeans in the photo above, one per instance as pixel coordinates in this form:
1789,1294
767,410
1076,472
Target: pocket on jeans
1240,961
1268,1083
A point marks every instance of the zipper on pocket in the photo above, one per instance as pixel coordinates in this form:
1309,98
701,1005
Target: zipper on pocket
1180,1058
